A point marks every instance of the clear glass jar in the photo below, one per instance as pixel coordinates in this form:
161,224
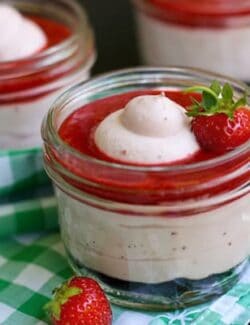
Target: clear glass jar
154,237
29,86
211,34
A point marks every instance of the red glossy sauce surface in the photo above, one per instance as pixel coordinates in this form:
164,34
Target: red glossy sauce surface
134,186
206,13
78,129
206,7
56,33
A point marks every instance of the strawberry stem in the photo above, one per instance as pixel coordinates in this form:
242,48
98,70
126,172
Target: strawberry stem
215,99
203,89
61,296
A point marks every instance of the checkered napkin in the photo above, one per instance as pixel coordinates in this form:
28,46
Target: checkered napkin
20,170
27,216
31,266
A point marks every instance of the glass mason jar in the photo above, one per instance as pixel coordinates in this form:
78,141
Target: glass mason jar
29,86
211,34
154,237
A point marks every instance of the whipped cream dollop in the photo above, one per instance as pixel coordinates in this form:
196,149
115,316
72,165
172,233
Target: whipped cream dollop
20,37
151,129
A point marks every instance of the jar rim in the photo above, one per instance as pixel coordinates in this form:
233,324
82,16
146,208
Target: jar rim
53,54
51,136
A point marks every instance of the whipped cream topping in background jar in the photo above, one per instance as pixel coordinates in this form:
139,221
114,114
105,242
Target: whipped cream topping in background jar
207,34
30,81
155,237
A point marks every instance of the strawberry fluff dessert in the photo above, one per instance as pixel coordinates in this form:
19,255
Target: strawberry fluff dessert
45,47
151,170
208,34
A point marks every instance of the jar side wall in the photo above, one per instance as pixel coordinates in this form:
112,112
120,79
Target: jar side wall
33,88
28,115
155,249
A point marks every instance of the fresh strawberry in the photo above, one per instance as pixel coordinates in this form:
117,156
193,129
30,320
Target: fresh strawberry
219,133
219,122
80,301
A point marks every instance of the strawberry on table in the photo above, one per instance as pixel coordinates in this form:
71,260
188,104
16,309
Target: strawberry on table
219,123
79,301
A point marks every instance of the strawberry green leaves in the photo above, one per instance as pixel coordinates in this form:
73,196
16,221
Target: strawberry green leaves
61,297
215,99
216,87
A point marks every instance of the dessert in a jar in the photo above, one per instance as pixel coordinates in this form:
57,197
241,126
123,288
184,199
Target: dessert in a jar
45,48
207,34
151,170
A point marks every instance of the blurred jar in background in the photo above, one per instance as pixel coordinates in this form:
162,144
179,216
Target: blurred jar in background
30,81
208,34
29,84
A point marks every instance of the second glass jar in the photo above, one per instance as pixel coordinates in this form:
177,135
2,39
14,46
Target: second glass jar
210,34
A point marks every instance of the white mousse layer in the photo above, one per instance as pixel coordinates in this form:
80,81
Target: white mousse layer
154,249
20,37
151,129
222,50
20,123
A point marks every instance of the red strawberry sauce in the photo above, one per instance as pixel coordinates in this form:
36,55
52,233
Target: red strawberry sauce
56,33
132,185
78,129
216,13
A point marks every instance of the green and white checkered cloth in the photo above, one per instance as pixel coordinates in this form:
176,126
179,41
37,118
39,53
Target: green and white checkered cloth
20,170
31,266
27,203
28,216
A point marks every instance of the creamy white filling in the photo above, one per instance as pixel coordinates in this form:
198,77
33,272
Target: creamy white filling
155,249
151,129
222,50
20,37
20,123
